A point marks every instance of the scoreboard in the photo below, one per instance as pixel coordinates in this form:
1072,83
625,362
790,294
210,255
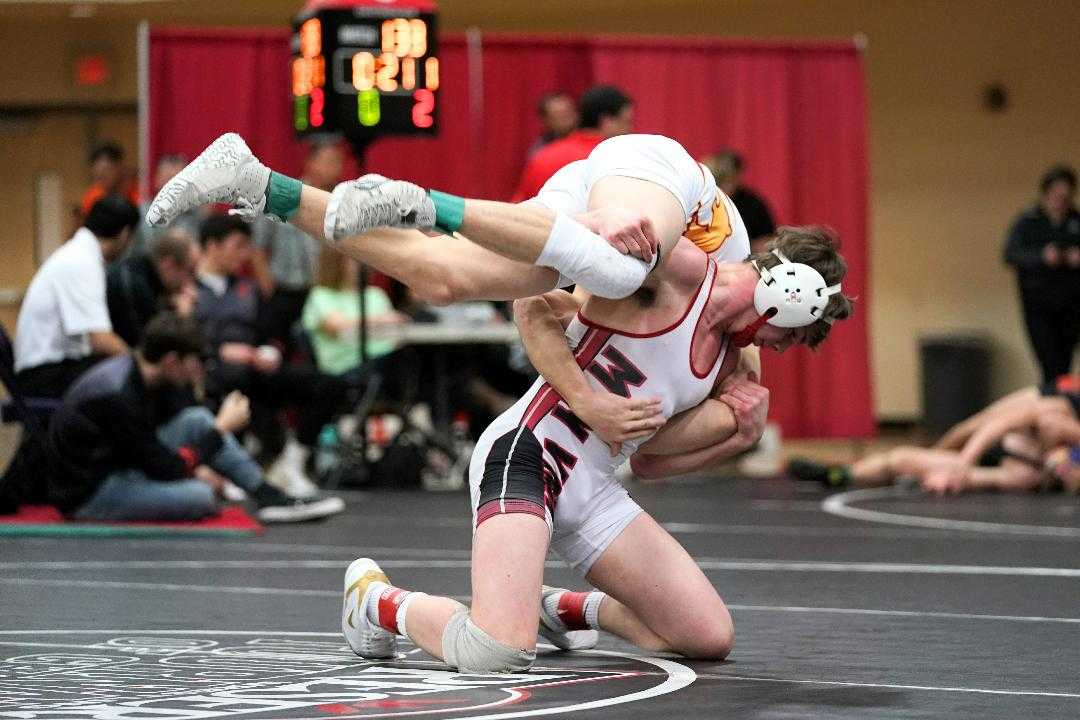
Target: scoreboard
365,68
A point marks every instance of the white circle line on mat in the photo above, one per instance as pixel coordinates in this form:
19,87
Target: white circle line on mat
840,505
748,565
678,675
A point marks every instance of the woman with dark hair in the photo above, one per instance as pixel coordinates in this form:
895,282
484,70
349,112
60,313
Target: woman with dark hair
1044,248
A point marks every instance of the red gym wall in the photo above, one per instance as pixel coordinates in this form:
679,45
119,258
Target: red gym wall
796,110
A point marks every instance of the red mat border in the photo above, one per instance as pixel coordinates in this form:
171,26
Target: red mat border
47,520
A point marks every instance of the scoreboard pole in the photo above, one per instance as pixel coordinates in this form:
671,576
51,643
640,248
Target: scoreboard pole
359,149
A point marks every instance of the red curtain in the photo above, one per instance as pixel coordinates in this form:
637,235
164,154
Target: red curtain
796,111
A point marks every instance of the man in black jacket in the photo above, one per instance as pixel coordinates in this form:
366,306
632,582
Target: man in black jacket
1044,248
113,455
144,284
227,310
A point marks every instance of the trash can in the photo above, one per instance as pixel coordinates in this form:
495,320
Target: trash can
955,378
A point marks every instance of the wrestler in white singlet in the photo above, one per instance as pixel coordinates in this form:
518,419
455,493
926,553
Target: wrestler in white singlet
712,222
538,458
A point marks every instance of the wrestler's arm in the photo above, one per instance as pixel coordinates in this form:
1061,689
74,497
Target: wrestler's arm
542,321
652,467
534,234
959,434
727,426
706,424
700,427
995,428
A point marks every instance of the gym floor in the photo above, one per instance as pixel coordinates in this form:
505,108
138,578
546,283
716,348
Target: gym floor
915,607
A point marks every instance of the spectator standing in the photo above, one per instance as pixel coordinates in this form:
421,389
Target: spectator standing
227,310
108,176
727,167
142,285
605,112
112,455
168,166
1043,246
63,326
286,259
558,116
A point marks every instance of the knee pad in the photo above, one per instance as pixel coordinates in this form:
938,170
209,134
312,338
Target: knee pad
471,650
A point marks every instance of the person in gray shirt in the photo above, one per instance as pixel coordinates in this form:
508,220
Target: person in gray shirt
286,259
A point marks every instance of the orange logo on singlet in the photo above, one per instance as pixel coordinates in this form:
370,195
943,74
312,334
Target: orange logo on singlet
710,237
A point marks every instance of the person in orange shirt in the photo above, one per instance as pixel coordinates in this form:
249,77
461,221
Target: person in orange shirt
108,177
605,112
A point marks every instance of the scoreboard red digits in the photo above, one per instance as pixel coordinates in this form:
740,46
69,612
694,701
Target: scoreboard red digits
366,68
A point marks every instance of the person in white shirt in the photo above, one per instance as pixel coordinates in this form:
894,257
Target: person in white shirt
63,326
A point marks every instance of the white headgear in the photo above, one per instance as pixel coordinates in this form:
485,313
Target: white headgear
791,294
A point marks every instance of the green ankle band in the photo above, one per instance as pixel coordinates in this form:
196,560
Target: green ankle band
449,210
283,196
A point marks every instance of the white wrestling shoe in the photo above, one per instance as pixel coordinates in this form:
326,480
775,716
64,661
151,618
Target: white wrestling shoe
366,639
225,172
372,201
553,629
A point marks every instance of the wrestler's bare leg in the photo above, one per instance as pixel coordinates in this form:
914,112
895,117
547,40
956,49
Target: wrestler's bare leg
959,434
521,231
441,270
657,596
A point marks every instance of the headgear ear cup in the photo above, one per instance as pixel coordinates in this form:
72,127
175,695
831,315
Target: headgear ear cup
796,293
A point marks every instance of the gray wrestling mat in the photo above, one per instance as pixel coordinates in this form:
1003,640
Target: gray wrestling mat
836,616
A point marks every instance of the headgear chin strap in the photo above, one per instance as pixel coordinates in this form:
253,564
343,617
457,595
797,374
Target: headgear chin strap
790,295
744,337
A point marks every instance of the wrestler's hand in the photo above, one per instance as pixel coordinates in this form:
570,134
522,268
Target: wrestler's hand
945,480
749,401
629,232
616,419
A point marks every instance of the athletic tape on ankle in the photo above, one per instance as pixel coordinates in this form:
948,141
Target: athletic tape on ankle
283,196
449,210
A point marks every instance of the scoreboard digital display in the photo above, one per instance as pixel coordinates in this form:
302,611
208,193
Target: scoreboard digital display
365,68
